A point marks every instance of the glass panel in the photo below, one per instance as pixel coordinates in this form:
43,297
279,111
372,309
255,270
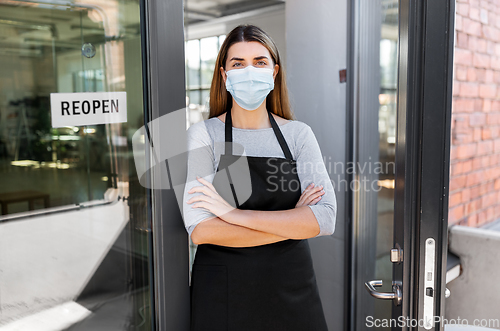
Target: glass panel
374,206
208,54
193,63
221,39
74,229
194,97
205,95
387,131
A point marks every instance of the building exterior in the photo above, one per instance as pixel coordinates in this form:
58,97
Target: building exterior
475,142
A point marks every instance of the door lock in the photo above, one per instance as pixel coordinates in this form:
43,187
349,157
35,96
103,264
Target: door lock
396,295
430,260
397,254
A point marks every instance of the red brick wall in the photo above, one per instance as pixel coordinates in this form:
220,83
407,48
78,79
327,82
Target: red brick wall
475,129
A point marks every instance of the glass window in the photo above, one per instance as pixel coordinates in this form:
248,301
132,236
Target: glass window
193,63
208,53
201,55
74,232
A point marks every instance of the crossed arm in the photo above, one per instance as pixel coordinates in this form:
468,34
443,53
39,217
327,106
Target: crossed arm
227,226
243,228
219,232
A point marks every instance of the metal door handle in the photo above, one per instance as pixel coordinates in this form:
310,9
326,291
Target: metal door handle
395,295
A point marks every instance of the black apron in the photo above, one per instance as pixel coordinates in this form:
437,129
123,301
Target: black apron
260,288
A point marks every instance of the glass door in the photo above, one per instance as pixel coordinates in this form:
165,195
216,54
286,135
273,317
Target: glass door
74,230
400,227
375,42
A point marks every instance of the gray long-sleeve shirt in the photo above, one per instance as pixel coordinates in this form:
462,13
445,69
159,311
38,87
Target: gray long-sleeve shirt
205,142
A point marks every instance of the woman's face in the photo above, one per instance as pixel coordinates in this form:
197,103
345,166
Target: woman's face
248,53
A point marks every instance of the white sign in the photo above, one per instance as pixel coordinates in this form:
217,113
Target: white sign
88,108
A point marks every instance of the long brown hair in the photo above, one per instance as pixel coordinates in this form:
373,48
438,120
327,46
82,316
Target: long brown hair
277,100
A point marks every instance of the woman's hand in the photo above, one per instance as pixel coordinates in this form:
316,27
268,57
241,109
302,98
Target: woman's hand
210,199
310,196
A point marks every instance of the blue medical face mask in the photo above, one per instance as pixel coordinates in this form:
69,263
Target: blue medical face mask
250,86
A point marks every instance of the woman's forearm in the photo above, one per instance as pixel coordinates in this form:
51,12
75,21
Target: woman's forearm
219,232
297,223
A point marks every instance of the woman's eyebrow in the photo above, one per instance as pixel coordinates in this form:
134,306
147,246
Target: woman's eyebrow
255,58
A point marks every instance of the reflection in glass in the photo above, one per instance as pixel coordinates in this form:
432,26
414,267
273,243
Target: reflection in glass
387,141
193,63
88,259
200,60
209,48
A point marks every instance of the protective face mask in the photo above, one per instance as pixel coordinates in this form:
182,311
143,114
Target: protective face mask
249,86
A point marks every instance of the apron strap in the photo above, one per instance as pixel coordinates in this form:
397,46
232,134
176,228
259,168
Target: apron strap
276,129
229,133
279,135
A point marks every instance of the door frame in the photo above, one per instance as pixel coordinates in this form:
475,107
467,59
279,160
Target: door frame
424,122
425,77
164,92
425,80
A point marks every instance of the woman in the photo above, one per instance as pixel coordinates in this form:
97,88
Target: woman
253,268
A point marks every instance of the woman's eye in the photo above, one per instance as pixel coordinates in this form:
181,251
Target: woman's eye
235,65
262,62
